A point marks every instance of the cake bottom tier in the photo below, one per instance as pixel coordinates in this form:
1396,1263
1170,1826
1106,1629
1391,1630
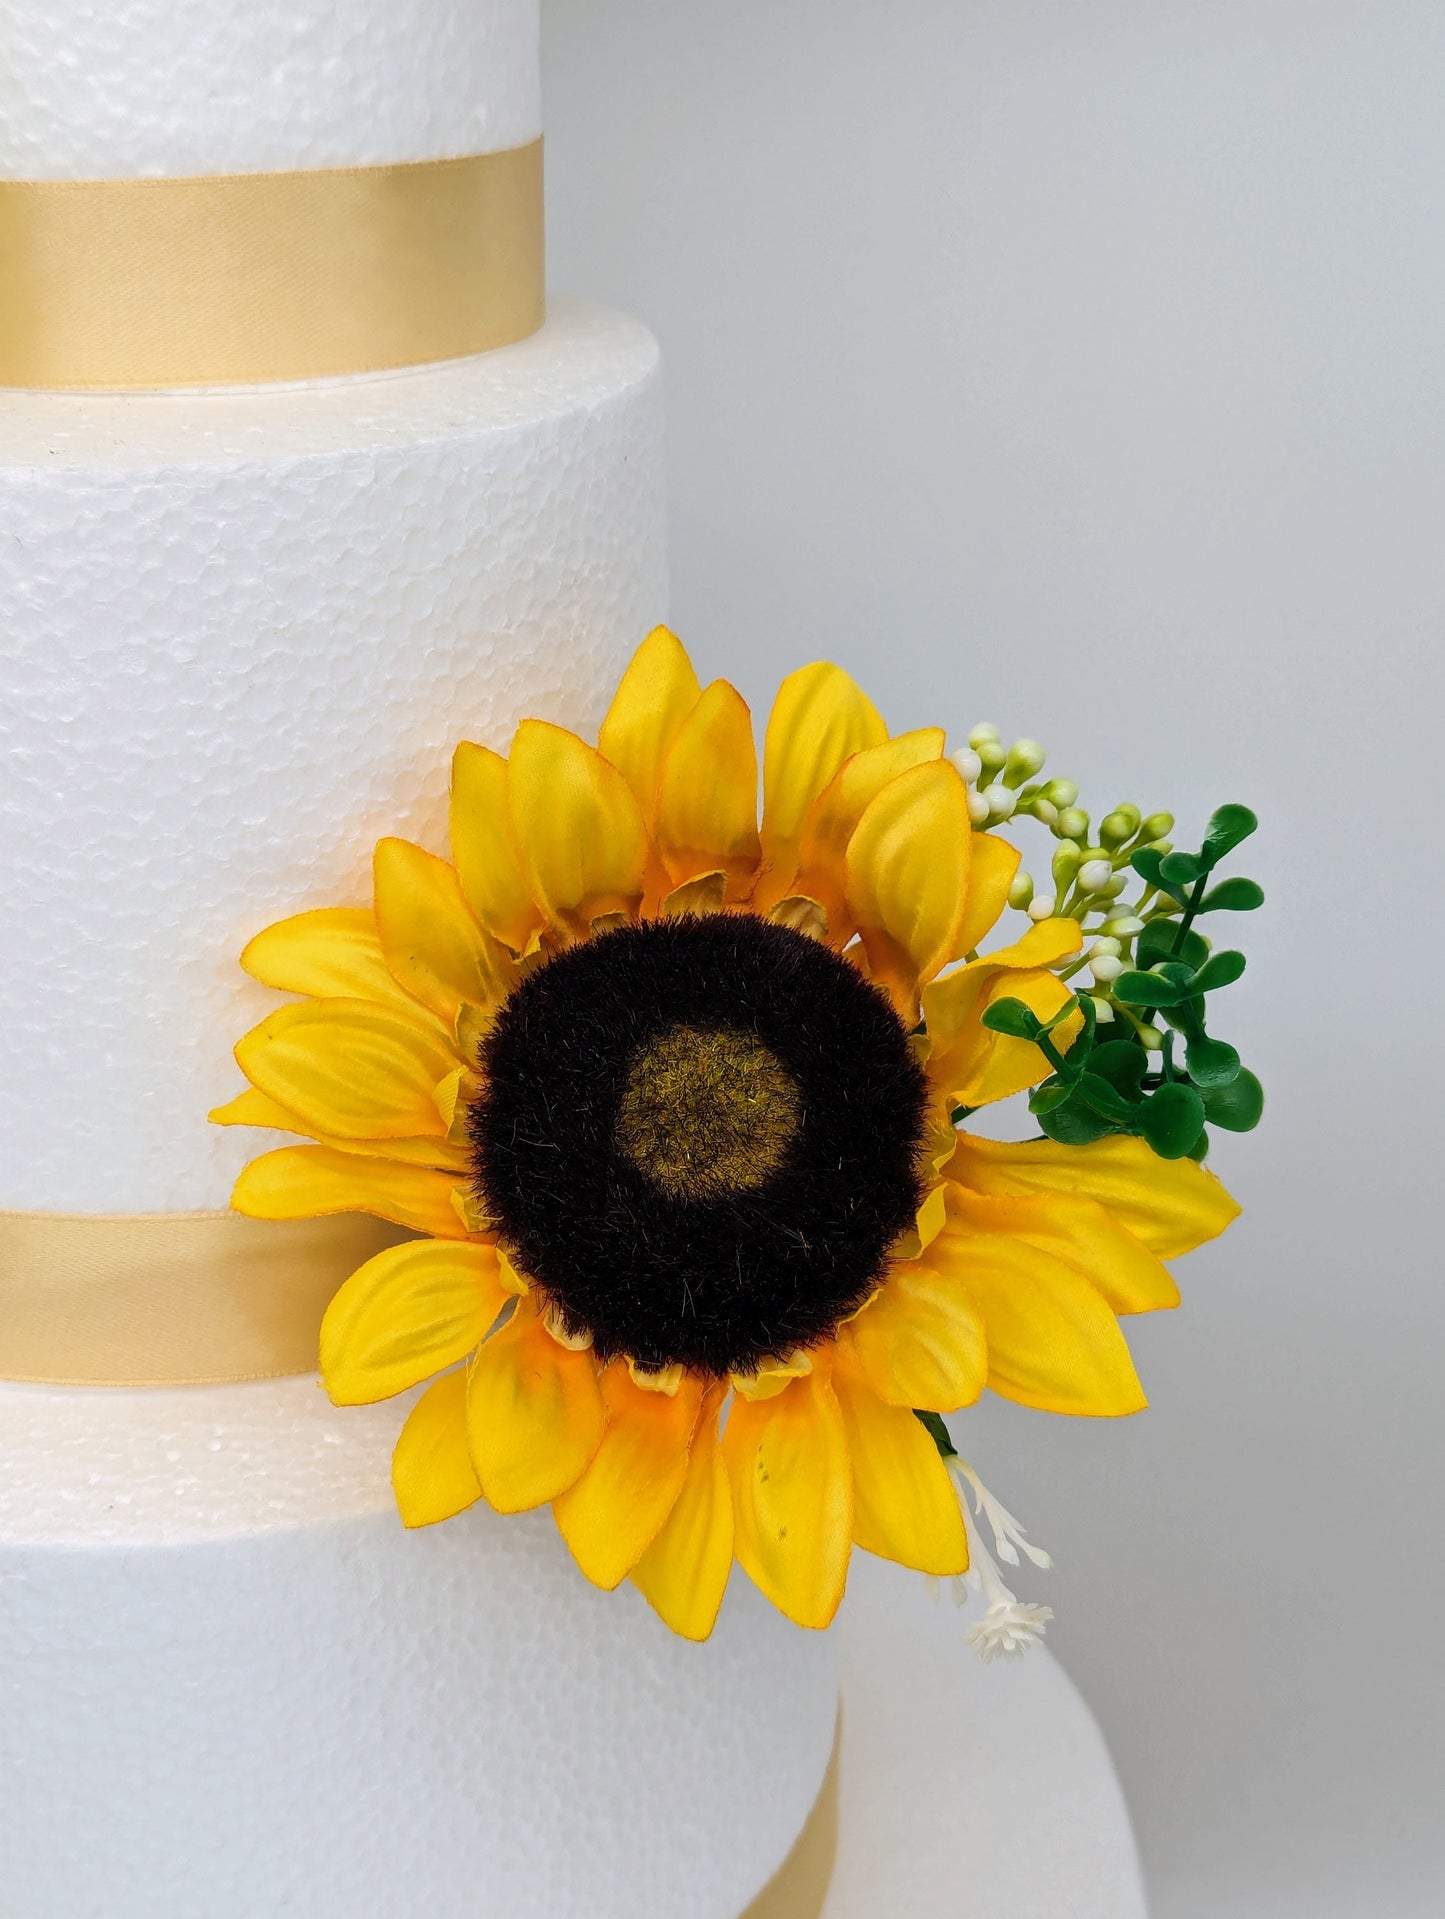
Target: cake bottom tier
233,1687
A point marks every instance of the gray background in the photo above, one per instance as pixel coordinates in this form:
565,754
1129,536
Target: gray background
1078,366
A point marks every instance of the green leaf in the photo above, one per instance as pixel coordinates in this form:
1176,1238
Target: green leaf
1147,863
1156,944
1074,1125
1122,1063
1211,1062
1171,1120
1200,1149
1182,869
1147,989
938,1432
1220,969
1238,1106
1233,896
1101,1097
1049,1096
1228,827
1011,1016
1187,1017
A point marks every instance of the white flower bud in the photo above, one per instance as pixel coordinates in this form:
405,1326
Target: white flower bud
968,763
1153,1039
1123,929
1021,891
1115,886
1046,811
1062,792
1157,826
1103,1011
984,731
977,809
1065,863
1120,825
1001,802
1025,757
991,758
1073,823
1094,875
1105,968
1041,906
1105,948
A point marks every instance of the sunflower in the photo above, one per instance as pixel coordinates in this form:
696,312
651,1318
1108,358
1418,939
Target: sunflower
666,1094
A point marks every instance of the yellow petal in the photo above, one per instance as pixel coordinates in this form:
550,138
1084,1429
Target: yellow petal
707,800
1081,1231
1052,1341
254,1109
617,1508
333,953
696,897
920,1341
904,1504
820,718
792,1486
482,847
534,1414
431,1469
310,1182
833,818
1171,1205
433,945
350,1069
991,868
653,698
967,1061
907,872
578,830
410,1312
684,1572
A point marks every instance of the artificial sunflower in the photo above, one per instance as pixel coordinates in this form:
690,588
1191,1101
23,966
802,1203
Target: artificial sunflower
668,1095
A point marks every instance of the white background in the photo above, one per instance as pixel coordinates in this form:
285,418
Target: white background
1078,366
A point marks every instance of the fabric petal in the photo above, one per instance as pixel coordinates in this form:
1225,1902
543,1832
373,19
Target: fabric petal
653,698
1171,1205
617,1508
904,1504
255,1109
707,800
579,834
349,1068
820,718
483,849
792,1486
311,1182
1080,1231
332,953
410,1312
991,869
907,871
920,1341
534,1414
1052,1341
832,819
433,945
967,1061
684,1572
431,1469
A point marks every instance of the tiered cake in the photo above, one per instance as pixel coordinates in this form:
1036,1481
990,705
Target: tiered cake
240,630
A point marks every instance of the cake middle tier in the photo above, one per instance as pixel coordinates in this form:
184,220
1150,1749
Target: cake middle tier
240,634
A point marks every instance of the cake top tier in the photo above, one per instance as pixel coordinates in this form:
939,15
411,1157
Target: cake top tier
116,89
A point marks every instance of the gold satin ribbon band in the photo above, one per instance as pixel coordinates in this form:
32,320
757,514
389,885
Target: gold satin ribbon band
800,1885
234,279
169,1299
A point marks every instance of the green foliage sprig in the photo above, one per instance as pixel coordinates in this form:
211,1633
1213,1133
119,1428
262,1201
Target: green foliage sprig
1125,1077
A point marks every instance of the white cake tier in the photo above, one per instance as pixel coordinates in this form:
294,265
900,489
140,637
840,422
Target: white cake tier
235,1687
114,89
240,634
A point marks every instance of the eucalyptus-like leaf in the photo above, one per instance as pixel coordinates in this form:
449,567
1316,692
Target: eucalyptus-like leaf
1228,827
1199,1151
1050,1096
1211,1062
1238,1106
1220,969
1097,1094
1011,1016
1182,869
1172,1119
1148,863
1073,1124
1147,989
1233,896
1157,944
1122,1063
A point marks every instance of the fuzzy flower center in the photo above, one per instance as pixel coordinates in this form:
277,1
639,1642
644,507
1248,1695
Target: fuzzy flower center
706,1113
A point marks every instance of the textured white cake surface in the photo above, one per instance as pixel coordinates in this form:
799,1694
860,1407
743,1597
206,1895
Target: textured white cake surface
234,1687
117,89
240,634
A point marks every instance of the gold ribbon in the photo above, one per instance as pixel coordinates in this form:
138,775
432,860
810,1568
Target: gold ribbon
233,279
169,1299
800,1885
